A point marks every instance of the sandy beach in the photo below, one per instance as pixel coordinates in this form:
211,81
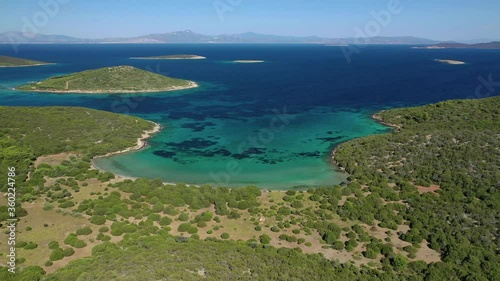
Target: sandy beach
141,142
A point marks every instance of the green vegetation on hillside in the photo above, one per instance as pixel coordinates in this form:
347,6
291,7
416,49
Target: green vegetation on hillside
380,226
12,62
452,142
454,145
29,132
168,258
117,79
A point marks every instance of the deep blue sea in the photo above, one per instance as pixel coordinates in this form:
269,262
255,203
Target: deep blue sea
270,124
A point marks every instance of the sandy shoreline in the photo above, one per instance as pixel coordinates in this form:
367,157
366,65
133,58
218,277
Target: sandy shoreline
141,142
191,85
379,119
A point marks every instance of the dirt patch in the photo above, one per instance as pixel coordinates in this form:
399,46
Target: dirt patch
47,226
432,188
54,159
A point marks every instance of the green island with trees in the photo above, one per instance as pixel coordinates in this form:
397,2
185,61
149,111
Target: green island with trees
172,57
116,79
422,203
6,61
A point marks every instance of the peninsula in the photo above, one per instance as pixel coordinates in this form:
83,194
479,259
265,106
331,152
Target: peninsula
6,61
489,45
117,79
172,57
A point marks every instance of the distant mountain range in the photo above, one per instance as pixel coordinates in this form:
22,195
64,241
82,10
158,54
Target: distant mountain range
189,36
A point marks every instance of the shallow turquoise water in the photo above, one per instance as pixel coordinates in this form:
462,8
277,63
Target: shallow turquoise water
291,156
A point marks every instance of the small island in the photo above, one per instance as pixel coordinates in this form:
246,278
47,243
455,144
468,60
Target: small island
112,80
450,61
248,61
172,57
6,61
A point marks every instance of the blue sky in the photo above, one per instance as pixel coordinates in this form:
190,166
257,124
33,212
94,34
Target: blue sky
434,19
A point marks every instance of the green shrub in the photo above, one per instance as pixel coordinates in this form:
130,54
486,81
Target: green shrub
103,229
98,220
224,235
79,244
84,231
183,217
57,254
30,246
207,216
99,236
68,252
71,239
170,210
338,245
154,217
183,227
53,245
234,215
370,254
265,239
66,204
192,230
165,221
284,211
